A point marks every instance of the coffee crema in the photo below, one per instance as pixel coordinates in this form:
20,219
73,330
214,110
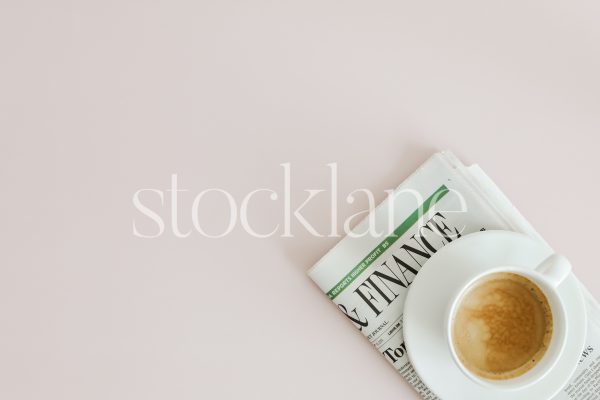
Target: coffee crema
502,326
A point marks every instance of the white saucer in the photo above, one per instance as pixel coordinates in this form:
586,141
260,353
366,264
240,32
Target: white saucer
430,294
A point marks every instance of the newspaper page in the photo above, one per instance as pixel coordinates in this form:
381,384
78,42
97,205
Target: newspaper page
368,273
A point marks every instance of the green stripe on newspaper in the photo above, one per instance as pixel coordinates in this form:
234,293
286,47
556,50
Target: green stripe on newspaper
387,242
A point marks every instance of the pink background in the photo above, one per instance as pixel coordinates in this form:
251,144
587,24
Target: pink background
101,98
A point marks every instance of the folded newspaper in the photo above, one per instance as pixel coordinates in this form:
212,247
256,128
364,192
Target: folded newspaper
440,202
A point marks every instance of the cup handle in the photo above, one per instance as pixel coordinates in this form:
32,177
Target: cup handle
555,269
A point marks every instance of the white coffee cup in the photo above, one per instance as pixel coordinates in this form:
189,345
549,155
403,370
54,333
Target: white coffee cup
548,275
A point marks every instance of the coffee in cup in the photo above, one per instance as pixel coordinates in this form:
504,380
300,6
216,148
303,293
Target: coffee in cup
502,326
